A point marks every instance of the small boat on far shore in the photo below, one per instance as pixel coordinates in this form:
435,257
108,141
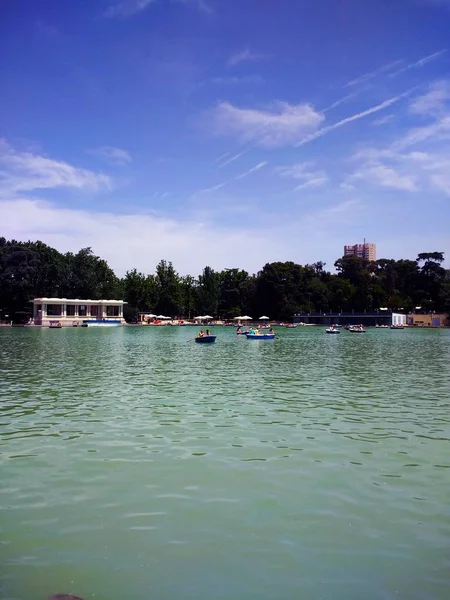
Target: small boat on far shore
397,327
55,325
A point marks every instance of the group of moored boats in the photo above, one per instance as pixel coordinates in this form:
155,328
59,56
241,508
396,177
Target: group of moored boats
88,323
359,328
352,328
262,333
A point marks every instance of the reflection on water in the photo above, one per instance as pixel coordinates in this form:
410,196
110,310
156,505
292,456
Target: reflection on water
137,464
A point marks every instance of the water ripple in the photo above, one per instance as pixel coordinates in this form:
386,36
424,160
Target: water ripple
308,467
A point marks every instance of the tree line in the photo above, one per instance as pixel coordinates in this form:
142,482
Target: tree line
278,290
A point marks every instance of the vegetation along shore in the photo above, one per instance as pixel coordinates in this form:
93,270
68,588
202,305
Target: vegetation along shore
279,289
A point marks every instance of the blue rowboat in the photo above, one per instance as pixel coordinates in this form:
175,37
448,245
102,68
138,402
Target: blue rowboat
261,336
206,339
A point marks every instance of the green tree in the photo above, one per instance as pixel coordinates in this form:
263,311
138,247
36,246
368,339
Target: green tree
188,296
235,293
140,292
169,289
208,291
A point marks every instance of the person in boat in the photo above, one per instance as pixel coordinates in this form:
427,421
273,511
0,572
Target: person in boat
271,331
201,334
207,333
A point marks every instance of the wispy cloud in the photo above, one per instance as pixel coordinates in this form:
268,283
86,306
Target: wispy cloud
115,156
434,101
245,55
418,159
384,120
380,174
368,76
436,131
220,185
252,170
202,5
25,171
356,117
235,80
305,173
235,156
419,63
270,128
342,100
126,8
410,171
221,157
213,188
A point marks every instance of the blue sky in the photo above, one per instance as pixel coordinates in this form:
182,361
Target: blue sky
225,132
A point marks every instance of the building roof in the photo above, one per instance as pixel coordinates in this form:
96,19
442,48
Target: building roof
77,301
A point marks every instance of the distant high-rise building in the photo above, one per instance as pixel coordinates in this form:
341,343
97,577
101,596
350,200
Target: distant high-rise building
367,251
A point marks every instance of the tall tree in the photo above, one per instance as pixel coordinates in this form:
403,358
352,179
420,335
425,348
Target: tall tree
188,296
208,292
169,289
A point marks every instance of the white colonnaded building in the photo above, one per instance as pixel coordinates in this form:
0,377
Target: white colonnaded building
73,311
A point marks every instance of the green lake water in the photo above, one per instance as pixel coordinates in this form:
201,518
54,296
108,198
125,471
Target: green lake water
136,464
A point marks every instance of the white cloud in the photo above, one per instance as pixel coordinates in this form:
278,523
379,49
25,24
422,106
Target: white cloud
419,63
115,156
245,55
435,165
305,173
25,171
272,128
126,8
427,167
356,117
380,174
124,240
438,130
434,101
